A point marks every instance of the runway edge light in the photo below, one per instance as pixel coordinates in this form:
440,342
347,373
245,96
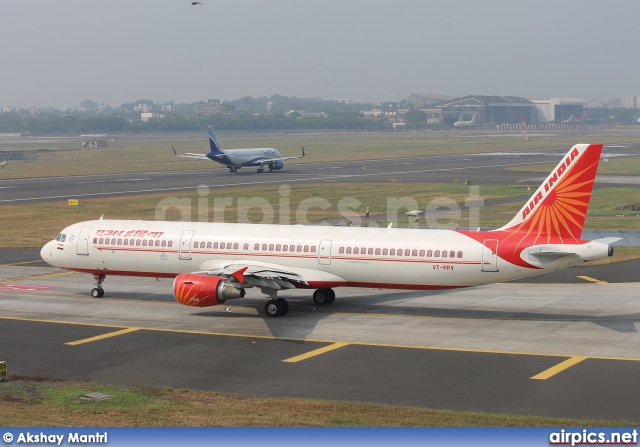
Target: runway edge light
3,371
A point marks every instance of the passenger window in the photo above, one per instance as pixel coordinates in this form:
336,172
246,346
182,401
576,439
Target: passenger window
356,251
235,246
399,251
132,242
170,244
292,248
313,249
452,254
459,254
246,246
126,242
370,251
407,252
208,245
278,247
306,248
144,242
414,253
348,250
256,247
285,247
392,252
95,240
113,241
215,245
158,244
164,243
299,248
264,247
195,244
421,253
444,253
436,254
429,253
138,242
270,247
377,251
101,241
341,250
385,251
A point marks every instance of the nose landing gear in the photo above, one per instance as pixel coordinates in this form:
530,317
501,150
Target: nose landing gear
98,291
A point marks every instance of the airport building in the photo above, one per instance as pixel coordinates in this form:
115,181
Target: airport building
505,110
555,110
488,109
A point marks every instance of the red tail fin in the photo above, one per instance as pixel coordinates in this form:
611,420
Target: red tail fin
559,207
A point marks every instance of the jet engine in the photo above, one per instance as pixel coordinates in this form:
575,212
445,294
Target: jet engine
276,165
192,289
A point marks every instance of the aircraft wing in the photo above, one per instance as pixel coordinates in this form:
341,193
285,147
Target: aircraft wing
190,155
271,160
262,276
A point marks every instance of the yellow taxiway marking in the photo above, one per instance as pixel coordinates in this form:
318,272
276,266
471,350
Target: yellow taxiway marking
307,340
100,337
20,263
315,352
544,375
597,281
29,278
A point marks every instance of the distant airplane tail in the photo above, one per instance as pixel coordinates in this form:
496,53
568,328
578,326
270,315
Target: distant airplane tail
559,207
584,116
216,148
473,118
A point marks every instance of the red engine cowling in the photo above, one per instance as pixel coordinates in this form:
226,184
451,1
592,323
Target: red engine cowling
192,289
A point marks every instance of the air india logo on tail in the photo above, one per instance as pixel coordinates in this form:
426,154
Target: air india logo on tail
559,206
548,184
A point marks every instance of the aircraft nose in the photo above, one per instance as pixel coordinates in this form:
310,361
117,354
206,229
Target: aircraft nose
46,252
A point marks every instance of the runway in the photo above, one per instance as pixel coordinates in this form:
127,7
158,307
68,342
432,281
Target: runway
482,168
559,349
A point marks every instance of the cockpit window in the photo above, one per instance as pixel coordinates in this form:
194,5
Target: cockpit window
64,236
58,237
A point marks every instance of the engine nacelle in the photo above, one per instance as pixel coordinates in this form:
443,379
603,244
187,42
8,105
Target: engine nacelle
192,289
276,165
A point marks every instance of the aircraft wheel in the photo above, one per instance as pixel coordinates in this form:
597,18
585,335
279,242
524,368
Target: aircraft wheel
273,308
97,292
323,297
284,304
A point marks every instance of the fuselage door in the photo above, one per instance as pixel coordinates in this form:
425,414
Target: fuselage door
324,252
490,255
83,242
184,252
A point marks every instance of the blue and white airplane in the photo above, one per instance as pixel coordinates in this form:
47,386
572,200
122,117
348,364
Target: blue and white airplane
235,159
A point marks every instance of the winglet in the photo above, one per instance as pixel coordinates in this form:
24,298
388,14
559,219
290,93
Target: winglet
302,152
174,151
239,275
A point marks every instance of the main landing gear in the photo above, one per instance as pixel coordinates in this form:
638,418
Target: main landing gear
98,292
233,170
279,307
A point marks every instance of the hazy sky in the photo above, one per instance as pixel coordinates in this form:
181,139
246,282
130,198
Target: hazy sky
61,52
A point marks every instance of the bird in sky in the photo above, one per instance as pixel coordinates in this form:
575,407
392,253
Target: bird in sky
196,3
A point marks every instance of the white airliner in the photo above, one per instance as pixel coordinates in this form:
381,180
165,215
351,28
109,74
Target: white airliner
461,123
214,262
235,159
